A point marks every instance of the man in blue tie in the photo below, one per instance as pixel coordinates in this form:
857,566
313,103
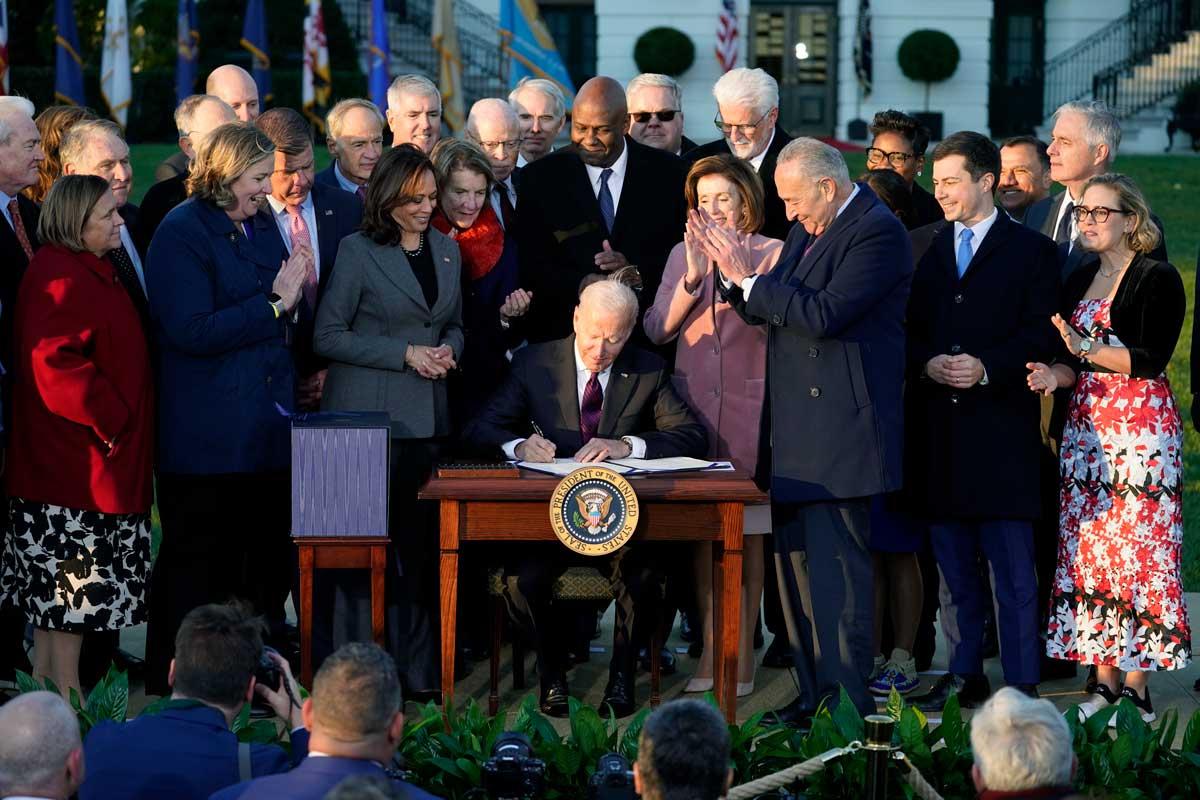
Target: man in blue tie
980,309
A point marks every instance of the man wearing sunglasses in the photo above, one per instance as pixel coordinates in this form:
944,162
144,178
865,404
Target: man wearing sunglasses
747,117
656,113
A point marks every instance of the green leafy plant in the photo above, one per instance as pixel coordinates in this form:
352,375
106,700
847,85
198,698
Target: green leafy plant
929,57
664,50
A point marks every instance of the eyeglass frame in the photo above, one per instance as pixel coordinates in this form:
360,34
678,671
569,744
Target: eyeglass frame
747,129
509,144
887,156
1080,213
633,115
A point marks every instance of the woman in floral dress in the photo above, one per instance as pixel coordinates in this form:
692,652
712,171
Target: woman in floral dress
1117,599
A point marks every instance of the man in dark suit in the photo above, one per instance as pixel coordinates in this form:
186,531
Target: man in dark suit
187,749
1024,183
196,117
656,113
355,140
589,397
605,203
493,125
980,310
20,155
748,114
304,211
834,307
355,716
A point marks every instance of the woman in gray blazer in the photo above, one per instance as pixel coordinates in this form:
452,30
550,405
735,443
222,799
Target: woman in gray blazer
391,325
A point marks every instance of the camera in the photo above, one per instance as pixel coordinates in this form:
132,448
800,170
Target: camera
267,673
612,780
512,773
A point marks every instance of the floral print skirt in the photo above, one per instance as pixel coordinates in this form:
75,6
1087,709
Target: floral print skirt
1117,599
76,571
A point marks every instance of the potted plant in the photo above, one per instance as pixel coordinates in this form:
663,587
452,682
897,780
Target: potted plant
930,57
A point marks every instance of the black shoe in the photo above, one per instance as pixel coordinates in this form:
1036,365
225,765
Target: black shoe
618,696
555,695
758,633
687,631
696,649
1055,670
794,715
1196,685
1028,689
991,643
666,661
971,689
1090,685
779,654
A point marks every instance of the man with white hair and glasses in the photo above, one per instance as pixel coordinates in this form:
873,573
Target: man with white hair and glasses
1022,749
747,117
656,113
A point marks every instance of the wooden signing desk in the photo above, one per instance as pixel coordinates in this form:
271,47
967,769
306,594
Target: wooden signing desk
679,507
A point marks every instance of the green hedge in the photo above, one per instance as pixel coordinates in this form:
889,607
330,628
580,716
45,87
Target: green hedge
152,113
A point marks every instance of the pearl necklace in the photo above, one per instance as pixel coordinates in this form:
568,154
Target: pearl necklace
418,251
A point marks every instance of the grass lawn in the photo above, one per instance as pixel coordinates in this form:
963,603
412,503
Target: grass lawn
1169,183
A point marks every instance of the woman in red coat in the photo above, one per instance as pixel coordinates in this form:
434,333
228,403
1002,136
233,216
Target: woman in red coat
79,462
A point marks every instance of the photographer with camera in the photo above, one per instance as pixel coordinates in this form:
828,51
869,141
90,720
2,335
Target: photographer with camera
355,717
187,749
683,754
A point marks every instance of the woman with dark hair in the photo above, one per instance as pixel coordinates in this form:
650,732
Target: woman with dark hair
720,370
79,479
898,143
222,292
52,124
1117,601
391,326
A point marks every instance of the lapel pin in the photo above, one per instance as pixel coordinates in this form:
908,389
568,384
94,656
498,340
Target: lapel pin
624,374
329,212
446,259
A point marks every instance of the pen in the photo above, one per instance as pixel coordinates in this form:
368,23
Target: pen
536,429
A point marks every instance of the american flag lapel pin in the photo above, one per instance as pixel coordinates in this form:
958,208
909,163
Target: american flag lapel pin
329,212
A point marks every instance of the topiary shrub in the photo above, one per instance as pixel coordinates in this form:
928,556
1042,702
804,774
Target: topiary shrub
665,50
928,56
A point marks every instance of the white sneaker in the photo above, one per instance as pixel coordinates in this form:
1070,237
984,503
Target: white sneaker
1100,698
1144,707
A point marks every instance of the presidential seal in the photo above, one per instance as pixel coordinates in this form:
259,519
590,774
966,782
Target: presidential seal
594,511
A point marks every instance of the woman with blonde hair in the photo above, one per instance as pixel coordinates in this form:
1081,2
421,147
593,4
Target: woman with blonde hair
720,369
1117,600
223,291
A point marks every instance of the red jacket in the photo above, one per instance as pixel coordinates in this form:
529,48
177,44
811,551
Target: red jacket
82,379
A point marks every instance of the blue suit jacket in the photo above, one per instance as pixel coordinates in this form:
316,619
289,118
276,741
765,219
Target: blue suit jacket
185,751
326,178
312,780
224,360
835,354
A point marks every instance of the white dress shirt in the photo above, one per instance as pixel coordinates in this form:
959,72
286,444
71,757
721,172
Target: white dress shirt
637,445
283,221
127,242
615,181
756,162
494,199
978,232
748,283
1062,209
347,184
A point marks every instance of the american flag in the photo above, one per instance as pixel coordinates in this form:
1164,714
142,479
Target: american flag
727,36
863,56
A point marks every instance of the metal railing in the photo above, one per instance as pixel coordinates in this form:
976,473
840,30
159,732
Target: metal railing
1130,63
410,22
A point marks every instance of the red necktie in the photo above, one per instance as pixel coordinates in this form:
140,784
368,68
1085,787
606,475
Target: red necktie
14,211
590,408
300,238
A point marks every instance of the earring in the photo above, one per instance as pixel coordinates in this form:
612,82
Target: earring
918,173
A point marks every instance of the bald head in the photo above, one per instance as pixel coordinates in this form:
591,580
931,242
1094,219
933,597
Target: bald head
234,85
493,125
599,122
40,752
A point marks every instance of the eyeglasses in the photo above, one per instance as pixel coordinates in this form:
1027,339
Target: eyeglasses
642,117
746,130
507,144
896,159
1099,214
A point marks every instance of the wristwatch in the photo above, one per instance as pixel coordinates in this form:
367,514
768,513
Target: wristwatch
1085,348
628,443
277,304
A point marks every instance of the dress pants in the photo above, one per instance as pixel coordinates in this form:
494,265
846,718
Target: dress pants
826,586
1008,547
225,537
530,574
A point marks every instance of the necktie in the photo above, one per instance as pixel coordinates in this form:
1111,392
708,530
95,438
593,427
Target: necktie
1063,233
507,211
361,191
300,238
14,212
607,209
590,408
964,251
127,275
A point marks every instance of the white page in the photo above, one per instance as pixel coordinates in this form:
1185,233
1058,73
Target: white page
681,464
565,466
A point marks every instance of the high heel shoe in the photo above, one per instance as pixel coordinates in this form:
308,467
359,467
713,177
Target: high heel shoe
745,689
700,685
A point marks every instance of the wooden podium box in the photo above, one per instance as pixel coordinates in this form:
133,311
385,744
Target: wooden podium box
679,507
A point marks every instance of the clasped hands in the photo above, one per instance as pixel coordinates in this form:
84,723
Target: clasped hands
430,362
289,281
960,371
540,450
707,241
